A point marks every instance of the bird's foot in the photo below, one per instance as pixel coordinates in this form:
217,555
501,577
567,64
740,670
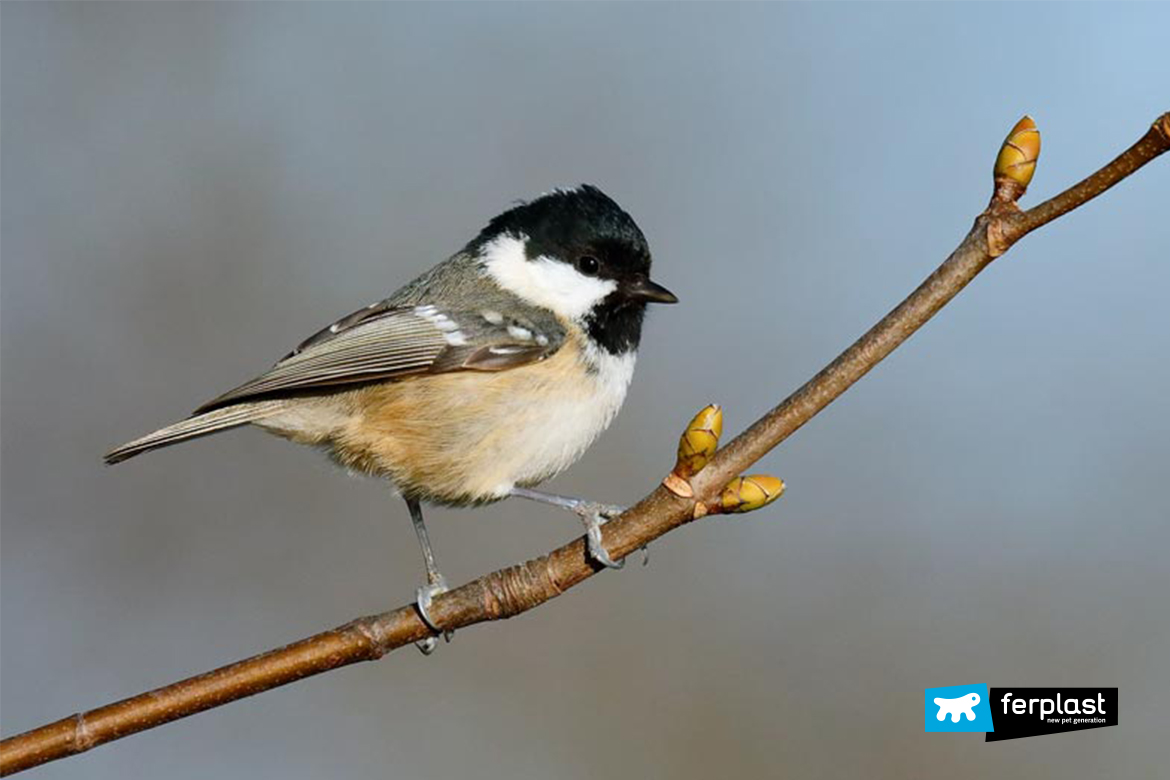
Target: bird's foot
593,516
425,595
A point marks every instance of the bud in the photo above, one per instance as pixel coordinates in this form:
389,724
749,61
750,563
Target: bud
1018,155
699,441
746,494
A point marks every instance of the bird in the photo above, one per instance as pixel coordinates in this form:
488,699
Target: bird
485,376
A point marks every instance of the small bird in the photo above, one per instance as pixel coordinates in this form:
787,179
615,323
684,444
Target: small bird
485,376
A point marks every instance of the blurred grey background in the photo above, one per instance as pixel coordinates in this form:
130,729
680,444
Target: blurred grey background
189,190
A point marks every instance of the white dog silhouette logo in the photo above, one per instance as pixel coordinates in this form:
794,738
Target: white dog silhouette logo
956,707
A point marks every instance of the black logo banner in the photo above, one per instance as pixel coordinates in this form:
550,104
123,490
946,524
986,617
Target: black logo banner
1030,712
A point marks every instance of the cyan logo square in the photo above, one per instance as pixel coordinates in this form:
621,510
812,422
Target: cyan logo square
958,708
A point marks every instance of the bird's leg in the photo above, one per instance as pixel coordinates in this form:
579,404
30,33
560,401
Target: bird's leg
435,582
592,515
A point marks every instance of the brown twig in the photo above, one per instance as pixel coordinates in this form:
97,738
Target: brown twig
517,589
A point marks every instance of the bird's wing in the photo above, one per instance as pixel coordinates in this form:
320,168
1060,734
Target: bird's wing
387,340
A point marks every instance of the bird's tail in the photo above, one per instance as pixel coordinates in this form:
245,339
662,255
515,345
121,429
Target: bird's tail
196,426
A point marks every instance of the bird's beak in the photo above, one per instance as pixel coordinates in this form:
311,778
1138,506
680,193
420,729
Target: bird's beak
642,289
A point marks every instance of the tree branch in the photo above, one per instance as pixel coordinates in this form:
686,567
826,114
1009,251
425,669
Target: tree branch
519,588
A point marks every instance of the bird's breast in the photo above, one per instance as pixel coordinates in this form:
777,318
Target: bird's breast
469,437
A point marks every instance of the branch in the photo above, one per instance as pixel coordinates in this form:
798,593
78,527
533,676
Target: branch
684,495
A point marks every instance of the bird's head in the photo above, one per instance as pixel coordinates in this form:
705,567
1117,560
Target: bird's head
578,254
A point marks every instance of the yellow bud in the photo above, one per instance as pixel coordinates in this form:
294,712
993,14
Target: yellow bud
1018,155
745,494
699,441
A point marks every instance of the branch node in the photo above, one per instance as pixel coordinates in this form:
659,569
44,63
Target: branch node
550,575
82,736
679,486
1002,229
363,627
517,589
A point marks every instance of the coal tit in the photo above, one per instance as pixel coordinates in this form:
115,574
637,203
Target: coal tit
485,376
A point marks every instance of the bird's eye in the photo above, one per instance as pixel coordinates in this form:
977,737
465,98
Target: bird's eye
588,265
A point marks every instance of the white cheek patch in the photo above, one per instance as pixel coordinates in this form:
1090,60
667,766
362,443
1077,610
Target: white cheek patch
543,281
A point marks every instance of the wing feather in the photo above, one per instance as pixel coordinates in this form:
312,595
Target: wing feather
385,342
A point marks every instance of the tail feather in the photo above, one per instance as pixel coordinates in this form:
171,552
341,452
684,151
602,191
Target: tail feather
196,426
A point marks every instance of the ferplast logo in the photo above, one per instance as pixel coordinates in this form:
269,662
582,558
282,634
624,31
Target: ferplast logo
1011,713
1030,712
1076,710
958,708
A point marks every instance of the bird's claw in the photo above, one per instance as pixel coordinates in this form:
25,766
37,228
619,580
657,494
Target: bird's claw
607,511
